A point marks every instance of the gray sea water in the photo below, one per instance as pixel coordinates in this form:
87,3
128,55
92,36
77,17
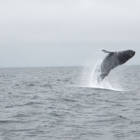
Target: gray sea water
59,103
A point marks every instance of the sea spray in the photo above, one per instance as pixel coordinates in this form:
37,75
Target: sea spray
89,78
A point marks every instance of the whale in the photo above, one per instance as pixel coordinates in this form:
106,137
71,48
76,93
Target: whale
111,61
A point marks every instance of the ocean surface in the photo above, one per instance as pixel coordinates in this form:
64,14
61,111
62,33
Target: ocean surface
62,103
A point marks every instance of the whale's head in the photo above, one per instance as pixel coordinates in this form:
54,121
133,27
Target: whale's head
124,56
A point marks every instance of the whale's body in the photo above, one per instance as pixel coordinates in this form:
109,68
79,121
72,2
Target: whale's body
112,60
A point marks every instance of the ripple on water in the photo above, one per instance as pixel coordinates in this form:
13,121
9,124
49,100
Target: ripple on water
45,103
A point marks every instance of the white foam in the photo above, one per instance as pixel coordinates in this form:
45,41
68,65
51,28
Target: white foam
89,79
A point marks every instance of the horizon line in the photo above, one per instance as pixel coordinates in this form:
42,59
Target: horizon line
54,66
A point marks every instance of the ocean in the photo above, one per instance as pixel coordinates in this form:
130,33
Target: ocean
61,103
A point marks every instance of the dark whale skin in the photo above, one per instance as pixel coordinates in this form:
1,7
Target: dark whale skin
112,60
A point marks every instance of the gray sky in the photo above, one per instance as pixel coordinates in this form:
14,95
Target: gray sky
66,32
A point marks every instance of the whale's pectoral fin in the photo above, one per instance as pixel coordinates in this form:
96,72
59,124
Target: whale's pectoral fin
105,51
103,75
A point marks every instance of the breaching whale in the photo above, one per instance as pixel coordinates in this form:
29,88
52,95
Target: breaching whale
112,60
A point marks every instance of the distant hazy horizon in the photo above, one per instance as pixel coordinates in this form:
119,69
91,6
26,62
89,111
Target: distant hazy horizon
38,33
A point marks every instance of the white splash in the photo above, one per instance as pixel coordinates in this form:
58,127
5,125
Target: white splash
89,78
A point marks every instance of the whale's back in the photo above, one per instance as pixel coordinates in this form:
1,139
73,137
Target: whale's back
104,66
109,62
112,60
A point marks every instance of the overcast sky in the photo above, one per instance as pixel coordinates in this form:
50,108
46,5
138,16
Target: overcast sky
66,32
